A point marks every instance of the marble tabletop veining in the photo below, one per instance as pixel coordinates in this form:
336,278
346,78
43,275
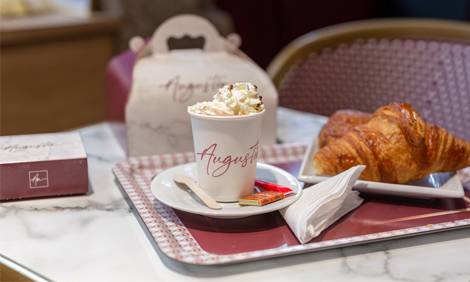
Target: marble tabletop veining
97,237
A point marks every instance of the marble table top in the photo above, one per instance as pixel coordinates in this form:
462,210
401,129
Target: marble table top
97,237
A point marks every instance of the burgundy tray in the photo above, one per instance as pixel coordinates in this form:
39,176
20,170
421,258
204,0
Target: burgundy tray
197,239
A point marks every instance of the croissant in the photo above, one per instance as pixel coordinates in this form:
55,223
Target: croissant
340,123
396,145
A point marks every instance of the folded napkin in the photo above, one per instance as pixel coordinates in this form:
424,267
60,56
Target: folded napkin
464,175
321,205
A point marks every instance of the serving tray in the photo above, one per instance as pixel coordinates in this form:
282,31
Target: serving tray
196,239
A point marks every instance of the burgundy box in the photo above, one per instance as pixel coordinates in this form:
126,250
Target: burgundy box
42,165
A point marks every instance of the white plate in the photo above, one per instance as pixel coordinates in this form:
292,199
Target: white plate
436,185
180,197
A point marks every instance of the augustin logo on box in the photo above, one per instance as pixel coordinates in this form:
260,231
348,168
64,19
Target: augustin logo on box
38,179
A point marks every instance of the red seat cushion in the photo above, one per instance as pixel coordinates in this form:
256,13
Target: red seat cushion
118,79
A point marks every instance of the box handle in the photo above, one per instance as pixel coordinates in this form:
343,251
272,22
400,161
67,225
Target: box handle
190,25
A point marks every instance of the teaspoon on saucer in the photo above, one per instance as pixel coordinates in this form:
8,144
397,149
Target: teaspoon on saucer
191,183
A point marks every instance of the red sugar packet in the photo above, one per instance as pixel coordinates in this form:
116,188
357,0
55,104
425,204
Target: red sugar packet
272,187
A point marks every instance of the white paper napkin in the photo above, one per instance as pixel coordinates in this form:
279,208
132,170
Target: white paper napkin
323,204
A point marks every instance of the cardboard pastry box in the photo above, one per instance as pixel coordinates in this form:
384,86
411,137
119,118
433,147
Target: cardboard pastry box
42,165
165,82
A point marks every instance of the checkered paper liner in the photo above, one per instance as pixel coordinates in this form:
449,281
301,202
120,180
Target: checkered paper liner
176,242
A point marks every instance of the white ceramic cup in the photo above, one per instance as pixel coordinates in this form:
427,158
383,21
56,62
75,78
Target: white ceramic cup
226,149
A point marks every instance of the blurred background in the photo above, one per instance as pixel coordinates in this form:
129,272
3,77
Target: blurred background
54,53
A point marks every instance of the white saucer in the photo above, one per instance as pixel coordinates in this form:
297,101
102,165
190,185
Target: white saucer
180,197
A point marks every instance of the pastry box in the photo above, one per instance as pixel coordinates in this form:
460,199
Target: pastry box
42,165
165,82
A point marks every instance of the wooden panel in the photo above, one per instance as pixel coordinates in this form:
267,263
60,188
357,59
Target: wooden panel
53,85
8,274
54,27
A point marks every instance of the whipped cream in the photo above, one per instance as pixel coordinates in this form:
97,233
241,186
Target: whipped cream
236,99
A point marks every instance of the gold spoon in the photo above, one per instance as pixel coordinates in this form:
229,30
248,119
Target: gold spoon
191,183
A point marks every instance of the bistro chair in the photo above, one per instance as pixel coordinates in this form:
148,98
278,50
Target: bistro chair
367,64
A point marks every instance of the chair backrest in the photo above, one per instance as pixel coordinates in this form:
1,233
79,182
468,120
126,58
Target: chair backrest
368,64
